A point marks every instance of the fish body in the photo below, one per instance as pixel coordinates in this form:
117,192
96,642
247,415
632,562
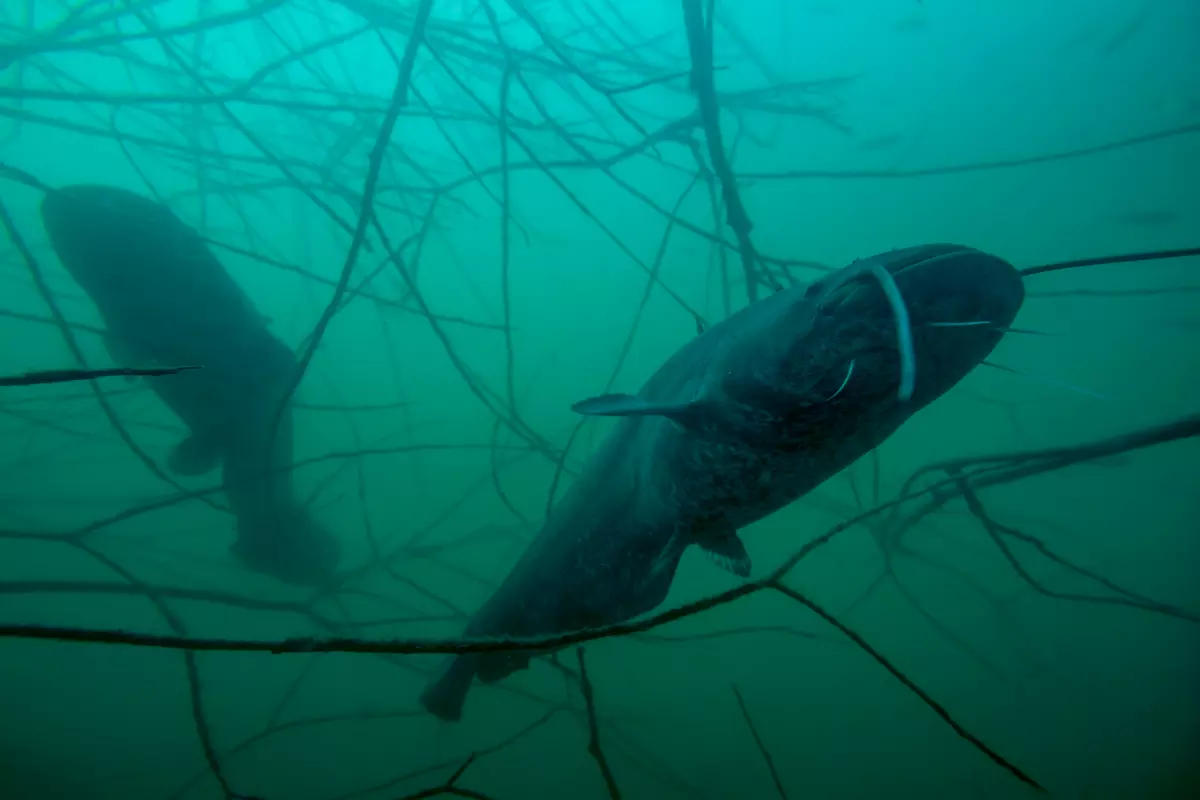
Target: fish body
166,300
749,416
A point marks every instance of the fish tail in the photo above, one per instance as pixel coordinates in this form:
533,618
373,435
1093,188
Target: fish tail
445,695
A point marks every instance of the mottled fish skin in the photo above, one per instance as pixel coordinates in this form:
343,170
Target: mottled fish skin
754,413
166,299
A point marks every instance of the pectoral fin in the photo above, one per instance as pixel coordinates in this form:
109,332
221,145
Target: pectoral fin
689,415
120,352
117,349
726,550
195,455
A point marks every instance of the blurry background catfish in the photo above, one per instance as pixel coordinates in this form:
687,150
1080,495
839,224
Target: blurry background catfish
752,414
165,299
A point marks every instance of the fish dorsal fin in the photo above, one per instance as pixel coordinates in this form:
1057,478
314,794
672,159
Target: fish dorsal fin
726,550
689,415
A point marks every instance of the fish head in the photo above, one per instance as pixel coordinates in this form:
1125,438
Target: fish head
94,230
845,337
162,293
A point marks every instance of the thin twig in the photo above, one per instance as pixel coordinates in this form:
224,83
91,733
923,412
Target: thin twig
594,748
762,747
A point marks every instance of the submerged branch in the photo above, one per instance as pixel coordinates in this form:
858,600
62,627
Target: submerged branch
72,375
912,687
700,46
939,492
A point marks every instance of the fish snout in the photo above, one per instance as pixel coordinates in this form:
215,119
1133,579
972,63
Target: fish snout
71,205
912,322
962,302
954,285
94,213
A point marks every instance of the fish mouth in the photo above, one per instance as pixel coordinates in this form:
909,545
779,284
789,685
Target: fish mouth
72,210
63,203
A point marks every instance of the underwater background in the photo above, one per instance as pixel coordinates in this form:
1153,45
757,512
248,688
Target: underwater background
551,193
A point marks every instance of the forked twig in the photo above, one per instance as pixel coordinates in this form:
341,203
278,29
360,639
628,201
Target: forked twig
449,787
908,683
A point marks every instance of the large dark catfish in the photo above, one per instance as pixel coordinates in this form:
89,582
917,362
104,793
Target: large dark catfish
166,299
752,414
